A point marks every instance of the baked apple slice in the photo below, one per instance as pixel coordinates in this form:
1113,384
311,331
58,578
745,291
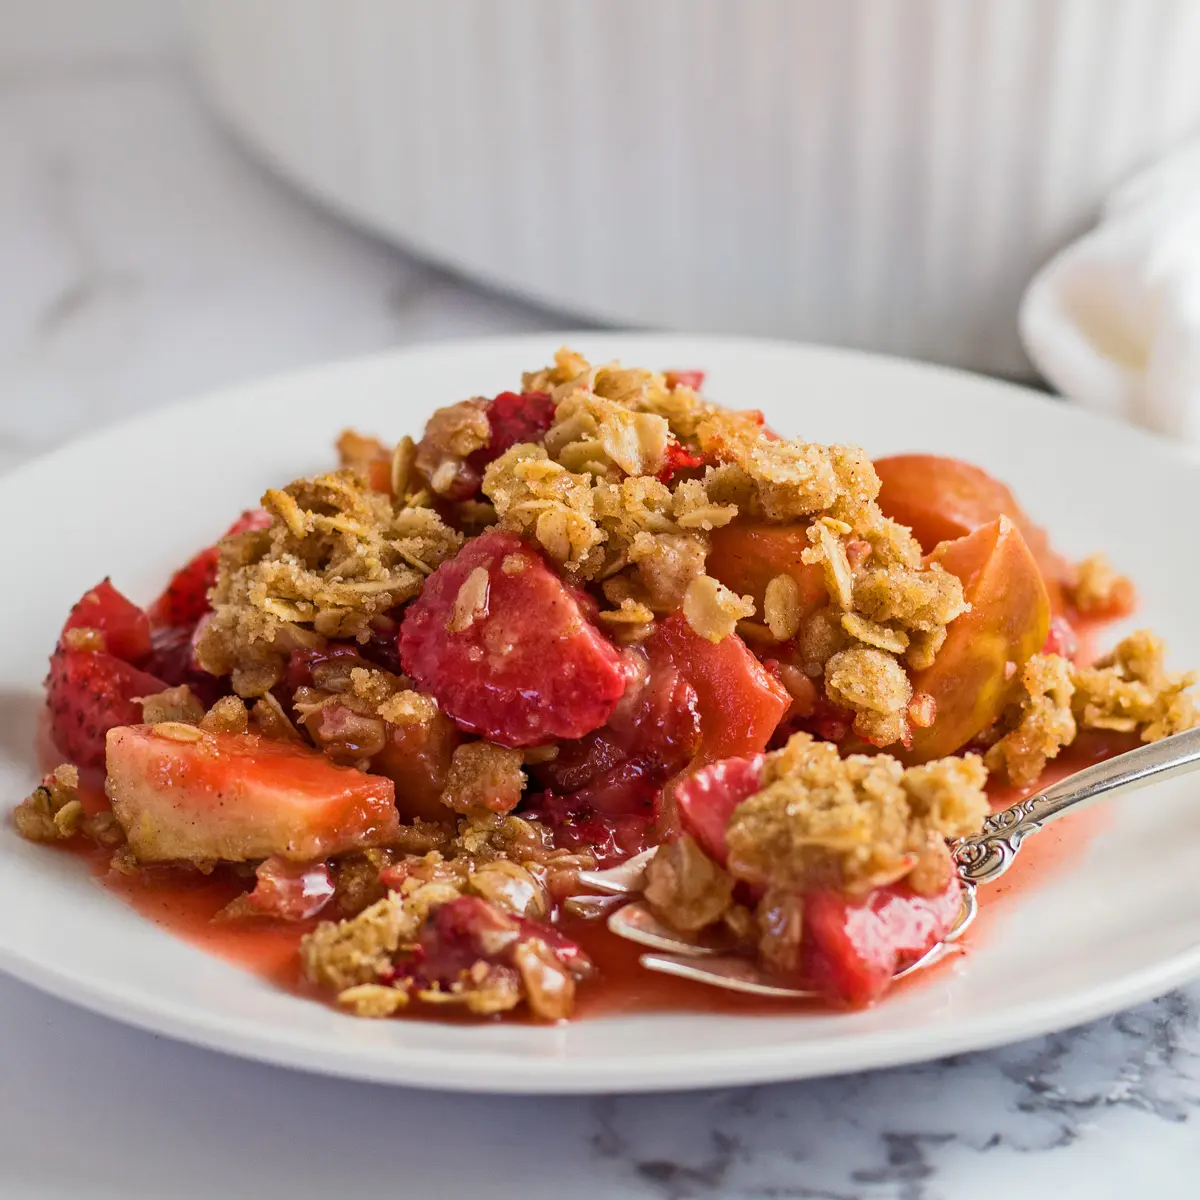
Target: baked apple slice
978,667
943,499
746,555
182,794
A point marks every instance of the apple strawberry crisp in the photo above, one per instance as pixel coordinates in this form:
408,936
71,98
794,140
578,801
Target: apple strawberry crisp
405,703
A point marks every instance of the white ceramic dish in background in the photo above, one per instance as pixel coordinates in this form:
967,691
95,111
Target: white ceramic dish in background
1120,924
880,175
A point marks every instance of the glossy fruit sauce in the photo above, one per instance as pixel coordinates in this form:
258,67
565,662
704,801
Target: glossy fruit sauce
186,902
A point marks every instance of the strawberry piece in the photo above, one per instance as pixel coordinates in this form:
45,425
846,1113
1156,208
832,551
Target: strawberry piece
604,790
88,693
690,379
707,798
515,661
739,702
852,948
125,627
829,721
185,600
610,837
515,417
652,732
290,891
679,458
239,797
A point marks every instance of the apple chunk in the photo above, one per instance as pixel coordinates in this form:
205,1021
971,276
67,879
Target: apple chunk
978,669
182,794
747,555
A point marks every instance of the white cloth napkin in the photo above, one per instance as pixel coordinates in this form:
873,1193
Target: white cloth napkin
1113,321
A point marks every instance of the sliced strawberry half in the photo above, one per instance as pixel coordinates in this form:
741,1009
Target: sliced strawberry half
853,948
88,693
511,656
125,627
706,800
185,600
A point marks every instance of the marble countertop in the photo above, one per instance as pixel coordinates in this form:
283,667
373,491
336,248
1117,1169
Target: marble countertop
144,258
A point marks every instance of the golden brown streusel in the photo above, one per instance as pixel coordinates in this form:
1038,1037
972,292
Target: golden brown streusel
336,555
484,778
781,607
712,610
356,880
471,603
667,565
52,811
605,438
227,715
694,508
360,949
790,479
853,823
510,886
536,497
1095,589
350,708
269,719
874,686
1042,724
373,1000
548,986
1131,689
173,704
452,435
685,887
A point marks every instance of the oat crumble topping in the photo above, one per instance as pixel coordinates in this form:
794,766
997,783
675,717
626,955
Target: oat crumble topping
336,555
1097,590
853,823
1127,691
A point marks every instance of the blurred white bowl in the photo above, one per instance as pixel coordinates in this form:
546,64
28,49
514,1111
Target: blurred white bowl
884,174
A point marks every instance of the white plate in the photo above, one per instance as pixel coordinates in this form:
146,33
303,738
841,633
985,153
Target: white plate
1116,925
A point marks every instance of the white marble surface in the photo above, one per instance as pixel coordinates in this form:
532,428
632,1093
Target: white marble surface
142,257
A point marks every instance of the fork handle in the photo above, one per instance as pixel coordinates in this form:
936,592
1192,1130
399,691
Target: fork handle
990,853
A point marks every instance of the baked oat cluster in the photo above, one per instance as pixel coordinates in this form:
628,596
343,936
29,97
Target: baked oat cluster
407,701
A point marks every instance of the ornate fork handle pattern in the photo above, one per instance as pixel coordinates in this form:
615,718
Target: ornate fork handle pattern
990,853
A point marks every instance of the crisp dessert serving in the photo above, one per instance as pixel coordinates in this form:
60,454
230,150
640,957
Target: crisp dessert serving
394,713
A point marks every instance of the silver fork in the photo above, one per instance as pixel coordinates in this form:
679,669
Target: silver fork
978,859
